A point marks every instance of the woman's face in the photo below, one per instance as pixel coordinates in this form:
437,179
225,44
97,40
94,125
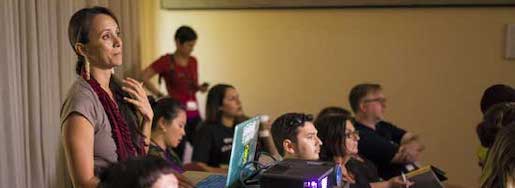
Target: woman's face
351,138
104,48
186,48
231,104
174,130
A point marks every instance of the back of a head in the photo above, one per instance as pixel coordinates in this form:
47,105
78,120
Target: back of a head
185,34
166,108
331,130
496,94
141,172
497,117
500,163
359,92
286,127
333,110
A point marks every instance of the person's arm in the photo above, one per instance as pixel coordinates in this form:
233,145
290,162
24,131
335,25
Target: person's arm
140,100
202,87
412,147
208,168
391,183
266,136
78,140
146,75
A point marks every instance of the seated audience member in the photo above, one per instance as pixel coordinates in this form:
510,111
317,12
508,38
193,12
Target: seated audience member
499,170
333,110
167,132
390,148
497,117
494,94
295,137
214,141
341,146
140,172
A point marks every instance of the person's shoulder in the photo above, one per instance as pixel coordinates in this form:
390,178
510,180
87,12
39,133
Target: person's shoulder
386,124
208,127
193,59
360,126
165,58
82,99
80,91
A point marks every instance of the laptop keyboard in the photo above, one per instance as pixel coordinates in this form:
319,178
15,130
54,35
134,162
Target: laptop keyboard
212,181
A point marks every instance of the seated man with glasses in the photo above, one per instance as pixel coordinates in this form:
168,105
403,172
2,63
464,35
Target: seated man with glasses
392,149
295,137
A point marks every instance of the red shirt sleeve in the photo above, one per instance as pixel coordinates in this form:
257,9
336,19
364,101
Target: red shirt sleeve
162,64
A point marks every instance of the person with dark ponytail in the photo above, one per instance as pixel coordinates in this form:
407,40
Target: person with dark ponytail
180,74
167,133
212,146
103,120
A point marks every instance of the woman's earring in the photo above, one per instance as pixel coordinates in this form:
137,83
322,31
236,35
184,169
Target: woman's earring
87,69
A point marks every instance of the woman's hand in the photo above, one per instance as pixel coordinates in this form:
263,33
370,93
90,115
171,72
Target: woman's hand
138,98
346,176
203,87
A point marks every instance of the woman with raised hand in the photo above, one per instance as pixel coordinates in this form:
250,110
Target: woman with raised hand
103,120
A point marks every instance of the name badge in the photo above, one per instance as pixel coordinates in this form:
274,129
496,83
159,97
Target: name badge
191,106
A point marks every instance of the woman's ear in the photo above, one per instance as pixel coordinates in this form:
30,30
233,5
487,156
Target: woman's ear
80,49
289,146
161,123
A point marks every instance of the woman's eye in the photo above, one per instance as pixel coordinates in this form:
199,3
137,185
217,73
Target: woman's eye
105,37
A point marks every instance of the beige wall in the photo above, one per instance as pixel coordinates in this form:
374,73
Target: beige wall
433,63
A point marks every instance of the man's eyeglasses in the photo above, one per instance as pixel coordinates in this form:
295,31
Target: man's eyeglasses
380,100
353,134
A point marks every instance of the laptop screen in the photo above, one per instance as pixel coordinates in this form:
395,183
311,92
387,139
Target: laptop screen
243,148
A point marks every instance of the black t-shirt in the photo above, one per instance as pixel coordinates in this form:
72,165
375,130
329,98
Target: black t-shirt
365,172
212,144
380,146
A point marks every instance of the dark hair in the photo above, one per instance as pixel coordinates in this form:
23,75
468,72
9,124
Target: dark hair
140,172
496,94
215,99
286,127
331,130
79,27
359,92
185,34
500,163
166,108
497,117
333,110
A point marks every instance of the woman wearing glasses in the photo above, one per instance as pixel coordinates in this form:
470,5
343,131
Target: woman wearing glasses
340,140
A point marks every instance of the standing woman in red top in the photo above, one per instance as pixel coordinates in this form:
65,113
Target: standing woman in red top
179,71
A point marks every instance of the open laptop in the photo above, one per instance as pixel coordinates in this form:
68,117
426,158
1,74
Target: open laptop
243,150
